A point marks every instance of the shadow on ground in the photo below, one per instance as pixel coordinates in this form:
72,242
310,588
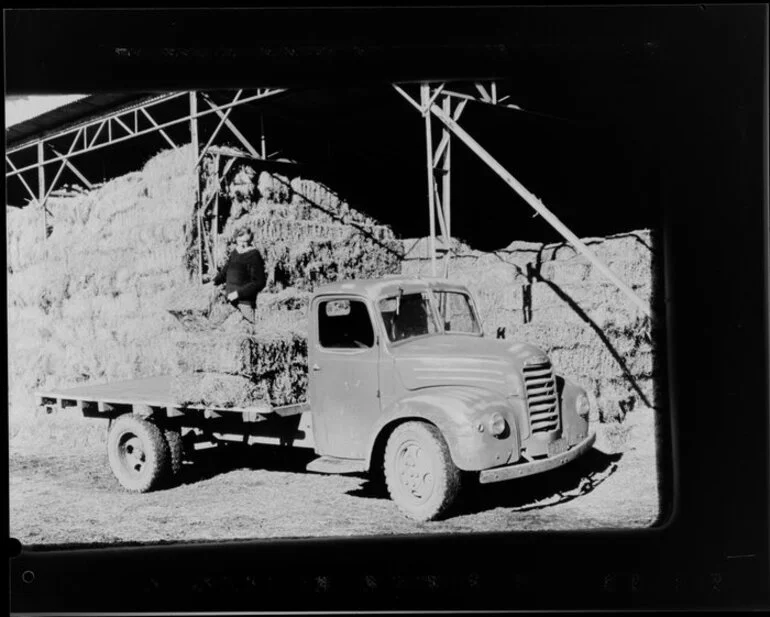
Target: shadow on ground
531,493
205,464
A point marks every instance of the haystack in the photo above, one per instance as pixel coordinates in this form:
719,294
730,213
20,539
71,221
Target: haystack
102,297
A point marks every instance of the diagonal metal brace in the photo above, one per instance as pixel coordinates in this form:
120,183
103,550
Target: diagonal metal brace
539,207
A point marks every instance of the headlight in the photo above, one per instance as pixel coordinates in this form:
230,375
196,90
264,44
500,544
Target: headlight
497,424
583,405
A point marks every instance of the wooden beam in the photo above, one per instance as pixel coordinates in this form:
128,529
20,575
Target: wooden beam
539,207
408,98
434,96
469,97
459,110
484,93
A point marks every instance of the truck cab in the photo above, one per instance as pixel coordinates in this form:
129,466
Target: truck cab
402,376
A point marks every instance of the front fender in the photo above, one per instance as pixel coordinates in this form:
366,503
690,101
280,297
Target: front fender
574,428
457,412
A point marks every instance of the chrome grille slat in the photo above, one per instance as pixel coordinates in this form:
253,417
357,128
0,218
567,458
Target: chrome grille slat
538,383
540,407
534,374
551,420
540,387
540,392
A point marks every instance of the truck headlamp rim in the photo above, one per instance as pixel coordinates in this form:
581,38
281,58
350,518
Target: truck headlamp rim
497,424
582,405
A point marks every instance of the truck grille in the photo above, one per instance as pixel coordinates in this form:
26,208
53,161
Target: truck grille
541,397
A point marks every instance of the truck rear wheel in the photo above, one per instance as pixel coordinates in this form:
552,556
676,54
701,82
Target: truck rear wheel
138,453
175,452
422,479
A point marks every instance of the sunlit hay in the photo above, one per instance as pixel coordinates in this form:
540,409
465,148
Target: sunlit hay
192,304
273,353
290,215
274,187
551,296
24,229
290,299
216,390
91,304
208,172
242,190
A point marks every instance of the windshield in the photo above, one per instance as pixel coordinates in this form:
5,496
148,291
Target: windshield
407,316
456,312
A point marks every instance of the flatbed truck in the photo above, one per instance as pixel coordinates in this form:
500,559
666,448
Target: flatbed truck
401,379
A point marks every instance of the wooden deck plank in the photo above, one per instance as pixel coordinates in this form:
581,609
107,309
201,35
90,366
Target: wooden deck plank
151,391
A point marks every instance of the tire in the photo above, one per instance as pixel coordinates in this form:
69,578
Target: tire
138,453
176,453
421,478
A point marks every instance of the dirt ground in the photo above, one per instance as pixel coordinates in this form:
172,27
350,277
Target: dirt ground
68,496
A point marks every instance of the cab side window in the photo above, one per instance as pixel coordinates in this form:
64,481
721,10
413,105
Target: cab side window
344,324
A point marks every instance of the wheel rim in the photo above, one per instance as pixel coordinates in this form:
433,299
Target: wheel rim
415,471
131,454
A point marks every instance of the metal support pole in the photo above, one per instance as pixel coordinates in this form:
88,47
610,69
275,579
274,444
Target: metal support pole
538,206
216,130
215,226
74,170
262,135
218,110
41,186
194,142
425,100
445,185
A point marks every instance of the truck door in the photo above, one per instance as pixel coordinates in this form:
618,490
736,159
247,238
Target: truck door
343,372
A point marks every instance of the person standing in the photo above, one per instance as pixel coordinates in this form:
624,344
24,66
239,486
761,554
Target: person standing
243,275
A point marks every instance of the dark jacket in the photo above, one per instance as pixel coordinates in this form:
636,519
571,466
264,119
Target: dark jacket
244,273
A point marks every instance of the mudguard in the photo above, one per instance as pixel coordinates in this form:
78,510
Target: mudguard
458,412
574,428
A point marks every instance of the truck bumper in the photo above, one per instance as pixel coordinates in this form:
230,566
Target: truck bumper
520,470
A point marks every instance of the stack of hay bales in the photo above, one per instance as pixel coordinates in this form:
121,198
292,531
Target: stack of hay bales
307,236
90,303
551,296
86,303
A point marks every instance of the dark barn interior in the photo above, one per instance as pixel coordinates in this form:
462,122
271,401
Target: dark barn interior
637,117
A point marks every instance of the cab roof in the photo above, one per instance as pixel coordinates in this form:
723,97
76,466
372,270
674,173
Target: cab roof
388,285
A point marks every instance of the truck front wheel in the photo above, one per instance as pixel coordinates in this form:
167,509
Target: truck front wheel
421,477
138,453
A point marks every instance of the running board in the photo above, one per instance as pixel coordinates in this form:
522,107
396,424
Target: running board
332,464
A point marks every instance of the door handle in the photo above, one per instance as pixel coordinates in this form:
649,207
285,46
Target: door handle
316,367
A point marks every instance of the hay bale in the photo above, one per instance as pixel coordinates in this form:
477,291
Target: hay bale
274,187
275,355
192,304
217,390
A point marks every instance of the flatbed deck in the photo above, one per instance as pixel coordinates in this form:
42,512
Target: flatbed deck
148,392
